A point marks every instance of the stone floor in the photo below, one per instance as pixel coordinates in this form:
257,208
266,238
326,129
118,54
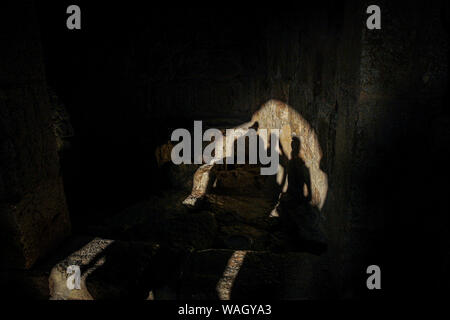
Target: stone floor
232,247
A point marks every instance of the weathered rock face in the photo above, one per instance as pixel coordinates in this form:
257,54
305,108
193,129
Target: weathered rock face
109,270
291,126
275,114
402,101
33,213
299,71
136,270
62,126
352,96
371,101
243,274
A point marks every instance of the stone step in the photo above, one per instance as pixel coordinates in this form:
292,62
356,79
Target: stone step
304,225
245,180
112,269
218,225
163,220
220,274
34,283
109,270
230,222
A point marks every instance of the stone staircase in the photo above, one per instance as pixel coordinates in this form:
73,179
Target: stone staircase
233,247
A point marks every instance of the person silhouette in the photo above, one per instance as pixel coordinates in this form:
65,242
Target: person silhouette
297,175
299,215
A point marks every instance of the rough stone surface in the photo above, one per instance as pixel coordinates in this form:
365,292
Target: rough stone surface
403,74
235,214
164,220
370,107
33,217
109,270
229,274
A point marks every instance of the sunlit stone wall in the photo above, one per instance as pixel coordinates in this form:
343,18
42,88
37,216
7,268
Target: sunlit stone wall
275,114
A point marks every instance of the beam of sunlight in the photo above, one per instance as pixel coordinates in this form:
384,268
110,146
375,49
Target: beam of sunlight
225,284
275,114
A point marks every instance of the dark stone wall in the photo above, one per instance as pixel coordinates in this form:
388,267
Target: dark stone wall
395,212
228,67
376,100
33,215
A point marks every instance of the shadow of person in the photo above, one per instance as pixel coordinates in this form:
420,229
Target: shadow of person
296,175
294,194
300,217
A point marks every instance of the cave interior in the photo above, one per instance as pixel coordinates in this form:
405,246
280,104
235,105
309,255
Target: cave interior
86,175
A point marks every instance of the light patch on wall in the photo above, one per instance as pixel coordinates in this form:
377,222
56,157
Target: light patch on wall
225,284
275,114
